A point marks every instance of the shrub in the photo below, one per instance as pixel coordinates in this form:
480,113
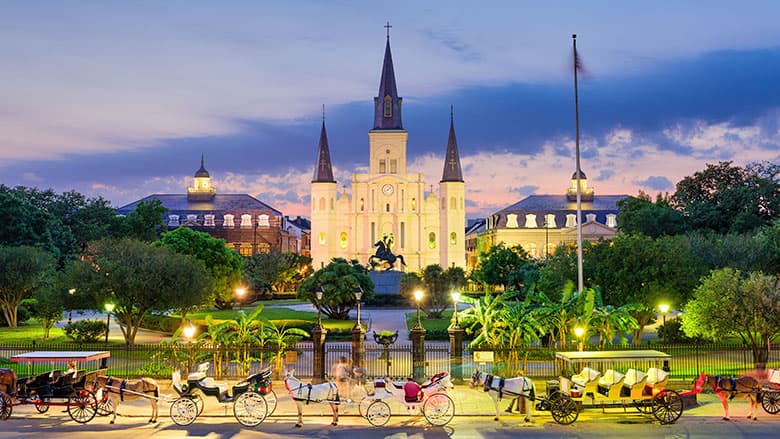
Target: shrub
85,331
671,332
161,323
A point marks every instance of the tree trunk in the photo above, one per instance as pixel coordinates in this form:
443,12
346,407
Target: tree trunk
760,354
9,313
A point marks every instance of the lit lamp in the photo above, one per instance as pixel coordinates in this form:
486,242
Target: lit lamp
579,331
109,308
71,291
664,308
189,330
455,299
358,296
240,293
418,294
318,293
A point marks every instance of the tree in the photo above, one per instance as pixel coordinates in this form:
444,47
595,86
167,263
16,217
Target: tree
726,303
223,264
640,215
501,265
338,279
50,305
145,223
726,198
276,271
23,270
139,278
437,284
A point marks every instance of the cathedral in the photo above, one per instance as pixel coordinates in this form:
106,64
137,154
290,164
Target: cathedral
389,204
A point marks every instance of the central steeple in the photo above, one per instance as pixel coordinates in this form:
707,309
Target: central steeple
387,105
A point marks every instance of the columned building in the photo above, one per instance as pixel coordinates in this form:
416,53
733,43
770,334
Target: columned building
389,202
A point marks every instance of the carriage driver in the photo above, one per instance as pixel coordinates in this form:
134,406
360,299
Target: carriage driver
412,391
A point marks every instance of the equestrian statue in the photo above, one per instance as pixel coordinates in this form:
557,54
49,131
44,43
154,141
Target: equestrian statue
384,257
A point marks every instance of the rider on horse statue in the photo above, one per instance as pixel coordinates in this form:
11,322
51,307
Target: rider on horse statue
384,254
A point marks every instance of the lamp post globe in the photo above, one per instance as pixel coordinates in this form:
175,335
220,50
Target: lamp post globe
358,296
418,294
109,308
455,299
318,292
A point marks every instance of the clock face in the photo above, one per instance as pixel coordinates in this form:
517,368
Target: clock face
387,189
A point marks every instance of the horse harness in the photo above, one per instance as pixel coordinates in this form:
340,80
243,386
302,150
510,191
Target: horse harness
499,381
331,389
123,386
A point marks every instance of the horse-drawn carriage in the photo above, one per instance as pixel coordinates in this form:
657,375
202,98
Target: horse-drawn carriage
72,390
590,388
434,403
250,406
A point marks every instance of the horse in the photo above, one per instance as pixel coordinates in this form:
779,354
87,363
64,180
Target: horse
8,381
383,254
129,389
300,392
746,386
499,387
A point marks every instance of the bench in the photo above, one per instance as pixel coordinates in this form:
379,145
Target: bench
611,384
634,383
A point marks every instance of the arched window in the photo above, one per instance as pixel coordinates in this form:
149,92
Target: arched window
322,203
322,238
387,207
332,204
362,204
246,221
343,240
432,240
388,106
443,203
453,238
453,203
414,203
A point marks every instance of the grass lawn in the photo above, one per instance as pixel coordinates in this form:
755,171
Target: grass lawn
430,324
275,314
32,330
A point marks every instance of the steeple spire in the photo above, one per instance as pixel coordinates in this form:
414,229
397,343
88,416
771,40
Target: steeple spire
202,172
387,105
452,169
323,170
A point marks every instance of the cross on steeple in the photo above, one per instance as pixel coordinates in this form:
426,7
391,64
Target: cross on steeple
323,112
388,27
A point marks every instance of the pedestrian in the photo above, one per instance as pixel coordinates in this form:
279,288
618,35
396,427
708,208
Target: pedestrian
341,372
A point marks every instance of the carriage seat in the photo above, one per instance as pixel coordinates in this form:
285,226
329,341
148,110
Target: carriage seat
657,377
585,377
773,375
208,383
634,383
434,379
200,374
611,383
176,382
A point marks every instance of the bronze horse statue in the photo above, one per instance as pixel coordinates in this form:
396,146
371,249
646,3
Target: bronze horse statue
384,255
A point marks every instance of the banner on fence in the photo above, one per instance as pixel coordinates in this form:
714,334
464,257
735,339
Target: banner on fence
483,356
291,357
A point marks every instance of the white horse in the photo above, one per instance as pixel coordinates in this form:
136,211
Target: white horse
320,393
499,387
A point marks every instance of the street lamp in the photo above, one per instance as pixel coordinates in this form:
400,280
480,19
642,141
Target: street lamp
455,298
579,331
71,291
189,330
418,294
109,308
240,293
318,293
664,308
358,296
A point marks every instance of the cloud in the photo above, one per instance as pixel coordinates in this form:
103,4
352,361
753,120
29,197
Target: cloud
657,183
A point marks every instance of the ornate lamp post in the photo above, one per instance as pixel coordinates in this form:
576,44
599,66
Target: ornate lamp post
418,294
418,343
358,296
456,343
664,308
71,291
455,299
318,339
318,294
109,308
579,331
358,336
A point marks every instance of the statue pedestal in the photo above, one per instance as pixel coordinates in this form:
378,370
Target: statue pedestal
386,282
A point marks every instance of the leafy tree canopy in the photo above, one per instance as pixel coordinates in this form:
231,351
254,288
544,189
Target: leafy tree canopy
23,271
276,271
339,280
502,265
437,286
640,215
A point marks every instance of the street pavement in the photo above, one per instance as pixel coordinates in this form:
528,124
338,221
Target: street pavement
474,419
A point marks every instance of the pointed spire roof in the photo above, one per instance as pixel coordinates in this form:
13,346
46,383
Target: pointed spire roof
452,169
323,170
387,105
202,172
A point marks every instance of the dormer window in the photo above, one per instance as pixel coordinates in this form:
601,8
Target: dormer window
208,220
262,221
590,218
192,218
173,220
549,221
246,221
511,221
571,220
388,106
612,220
530,221
228,221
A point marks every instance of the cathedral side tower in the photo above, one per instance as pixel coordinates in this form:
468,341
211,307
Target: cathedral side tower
323,206
452,212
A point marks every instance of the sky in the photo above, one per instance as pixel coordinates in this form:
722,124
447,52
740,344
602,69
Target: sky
120,99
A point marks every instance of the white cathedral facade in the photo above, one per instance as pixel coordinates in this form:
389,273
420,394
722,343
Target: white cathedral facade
389,203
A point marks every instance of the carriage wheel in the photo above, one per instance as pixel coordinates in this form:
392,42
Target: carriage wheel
184,411
270,399
378,413
439,409
770,401
105,406
6,406
200,402
250,409
563,409
667,406
42,406
82,406
363,406
644,406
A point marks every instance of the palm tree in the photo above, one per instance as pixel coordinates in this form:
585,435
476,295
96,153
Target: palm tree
484,314
282,338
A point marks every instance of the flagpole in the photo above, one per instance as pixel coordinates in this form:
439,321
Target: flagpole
578,171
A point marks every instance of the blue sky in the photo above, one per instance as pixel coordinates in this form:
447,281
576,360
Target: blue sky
119,99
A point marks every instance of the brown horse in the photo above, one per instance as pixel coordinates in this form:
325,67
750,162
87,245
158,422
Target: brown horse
129,389
730,387
8,381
